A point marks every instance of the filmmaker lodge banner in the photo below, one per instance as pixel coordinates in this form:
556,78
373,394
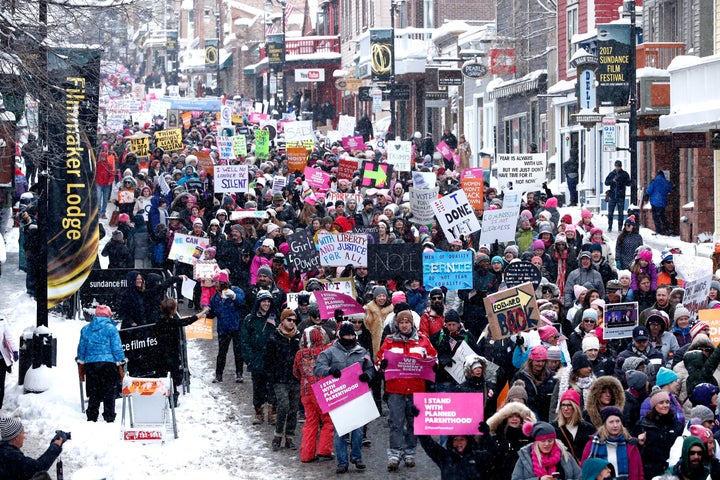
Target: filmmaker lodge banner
72,224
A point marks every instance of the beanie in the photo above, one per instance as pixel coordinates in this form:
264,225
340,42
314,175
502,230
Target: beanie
645,255
286,313
586,214
702,413
592,467
571,395
658,395
590,313
579,290
542,431
551,202
103,311
665,376
561,238
9,428
547,332
704,434
631,363
702,394
117,235
452,316
553,353
346,328
548,316
538,353
517,391
221,277
697,328
566,219
630,220
538,244
680,312
512,249
123,218
636,380
379,290
265,270
580,360
595,247
498,259
610,411
590,342
398,297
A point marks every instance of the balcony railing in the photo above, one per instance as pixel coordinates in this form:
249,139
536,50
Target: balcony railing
307,45
658,55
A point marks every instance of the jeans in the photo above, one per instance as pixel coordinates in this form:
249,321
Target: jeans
402,438
660,220
261,394
355,447
572,183
287,396
614,204
103,194
224,340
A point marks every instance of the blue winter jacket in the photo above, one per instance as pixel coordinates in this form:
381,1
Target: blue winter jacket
229,312
658,191
100,342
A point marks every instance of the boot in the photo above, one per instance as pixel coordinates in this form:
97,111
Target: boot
272,415
409,461
289,444
276,443
239,378
393,463
217,379
259,416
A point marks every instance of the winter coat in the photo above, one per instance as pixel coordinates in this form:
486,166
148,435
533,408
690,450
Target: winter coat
661,432
567,467
658,191
139,243
280,355
539,393
631,411
14,465
168,334
634,459
100,342
441,341
229,312
471,464
312,342
255,331
374,321
524,238
575,445
417,299
341,357
650,355
431,322
625,247
505,442
592,410
618,183
415,345
131,307
118,255
581,276
474,315
155,291
480,385
700,368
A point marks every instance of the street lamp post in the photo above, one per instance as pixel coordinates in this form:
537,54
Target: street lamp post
393,126
220,35
281,69
632,125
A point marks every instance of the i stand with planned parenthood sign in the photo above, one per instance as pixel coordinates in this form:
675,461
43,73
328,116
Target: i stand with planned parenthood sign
619,320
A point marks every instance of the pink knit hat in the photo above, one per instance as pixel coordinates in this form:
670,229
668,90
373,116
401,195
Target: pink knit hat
538,353
398,297
551,202
579,290
586,214
103,311
547,332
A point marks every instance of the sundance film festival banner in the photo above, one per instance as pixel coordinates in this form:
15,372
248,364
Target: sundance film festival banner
614,64
72,226
382,54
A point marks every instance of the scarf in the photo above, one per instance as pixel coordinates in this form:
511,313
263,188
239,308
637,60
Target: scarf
561,270
584,384
288,333
599,450
542,464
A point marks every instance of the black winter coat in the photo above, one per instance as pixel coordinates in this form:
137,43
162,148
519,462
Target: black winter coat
118,255
504,448
576,445
631,411
471,464
538,395
441,341
131,307
661,433
14,465
167,332
279,357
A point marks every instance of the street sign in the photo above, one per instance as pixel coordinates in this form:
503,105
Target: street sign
449,76
609,134
400,91
353,84
474,69
376,95
340,84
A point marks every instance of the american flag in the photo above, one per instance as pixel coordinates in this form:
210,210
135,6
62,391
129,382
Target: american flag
288,11
270,29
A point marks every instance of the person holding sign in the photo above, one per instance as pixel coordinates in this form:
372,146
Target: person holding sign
463,459
342,354
405,342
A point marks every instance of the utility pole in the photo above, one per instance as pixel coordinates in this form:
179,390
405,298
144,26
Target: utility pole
632,134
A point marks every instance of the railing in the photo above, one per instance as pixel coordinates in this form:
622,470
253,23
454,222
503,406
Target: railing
307,45
658,55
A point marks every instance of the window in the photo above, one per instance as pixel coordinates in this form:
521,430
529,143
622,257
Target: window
690,178
516,134
571,28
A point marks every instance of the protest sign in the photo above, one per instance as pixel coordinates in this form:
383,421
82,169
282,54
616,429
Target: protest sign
205,163
511,311
187,288
164,187
231,178
375,175
169,140
399,155
352,144
202,328
444,150
187,249
333,392
405,366
455,215
517,273
335,196
448,413
140,146
297,159
254,214
328,301
354,414
341,249
332,136
297,132
346,125
452,270
186,119
344,285
240,146
512,200
457,369
619,320
226,148
373,232
421,205
522,172
473,184
696,294
424,180
303,255
316,178
711,316
346,168
392,261
691,267
262,144
499,225
257,117
278,184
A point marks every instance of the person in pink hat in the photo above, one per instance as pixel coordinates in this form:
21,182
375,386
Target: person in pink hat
539,382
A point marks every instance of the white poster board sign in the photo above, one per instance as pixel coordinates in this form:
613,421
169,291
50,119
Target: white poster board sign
231,178
456,215
522,172
499,225
399,155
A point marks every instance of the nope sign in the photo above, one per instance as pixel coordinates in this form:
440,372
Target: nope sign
456,215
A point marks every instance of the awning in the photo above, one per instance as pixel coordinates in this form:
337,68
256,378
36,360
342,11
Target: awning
193,61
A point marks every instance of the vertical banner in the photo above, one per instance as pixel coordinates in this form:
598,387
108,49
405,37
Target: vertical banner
382,54
275,48
473,183
72,226
614,64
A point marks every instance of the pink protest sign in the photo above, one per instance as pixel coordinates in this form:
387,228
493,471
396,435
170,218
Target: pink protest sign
332,392
402,366
256,117
445,150
448,413
316,178
328,301
353,143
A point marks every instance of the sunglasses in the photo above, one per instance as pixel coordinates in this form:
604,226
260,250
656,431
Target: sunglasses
357,322
589,320
695,453
291,318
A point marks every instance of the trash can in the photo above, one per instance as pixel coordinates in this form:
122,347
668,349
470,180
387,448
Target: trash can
25,358
44,347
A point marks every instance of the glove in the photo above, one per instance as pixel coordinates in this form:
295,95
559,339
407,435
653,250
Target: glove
617,264
121,371
15,356
447,363
228,293
271,212
364,377
60,435
335,372
81,372
383,364
484,428
414,410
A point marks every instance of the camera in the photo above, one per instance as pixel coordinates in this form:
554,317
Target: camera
64,436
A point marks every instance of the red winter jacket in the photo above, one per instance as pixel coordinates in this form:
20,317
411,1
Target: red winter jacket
417,345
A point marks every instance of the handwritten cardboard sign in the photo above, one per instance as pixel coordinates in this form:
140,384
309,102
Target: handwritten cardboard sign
187,249
303,255
452,270
511,311
392,261
473,184
456,215
339,250
231,178
523,172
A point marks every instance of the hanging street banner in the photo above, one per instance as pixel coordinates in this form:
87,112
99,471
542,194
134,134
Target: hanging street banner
395,261
452,270
512,311
448,413
303,256
499,225
375,175
231,178
169,140
614,52
72,221
473,184
275,47
342,249
187,248
382,54
226,148
399,155
455,215
421,205
524,172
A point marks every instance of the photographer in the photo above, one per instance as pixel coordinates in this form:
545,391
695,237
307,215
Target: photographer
13,463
